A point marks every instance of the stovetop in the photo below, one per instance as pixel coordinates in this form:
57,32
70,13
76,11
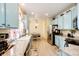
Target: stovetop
4,51
3,46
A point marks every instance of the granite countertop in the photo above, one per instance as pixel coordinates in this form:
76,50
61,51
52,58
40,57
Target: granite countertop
72,50
19,47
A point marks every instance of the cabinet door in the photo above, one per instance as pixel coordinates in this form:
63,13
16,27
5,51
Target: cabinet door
78,15
74,16
67,20
60,22
74,12
62,42
2,15
57,41
12,18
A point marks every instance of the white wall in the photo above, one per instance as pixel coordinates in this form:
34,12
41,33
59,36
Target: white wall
42,26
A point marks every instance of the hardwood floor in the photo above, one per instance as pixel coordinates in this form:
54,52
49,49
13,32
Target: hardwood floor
42,48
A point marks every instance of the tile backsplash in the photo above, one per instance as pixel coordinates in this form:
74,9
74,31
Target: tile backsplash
66,32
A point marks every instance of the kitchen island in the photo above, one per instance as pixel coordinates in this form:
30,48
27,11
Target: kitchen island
20,46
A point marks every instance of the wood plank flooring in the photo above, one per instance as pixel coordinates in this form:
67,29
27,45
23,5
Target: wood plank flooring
43,48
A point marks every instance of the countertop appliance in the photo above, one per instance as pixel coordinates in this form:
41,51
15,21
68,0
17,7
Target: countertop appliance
3,42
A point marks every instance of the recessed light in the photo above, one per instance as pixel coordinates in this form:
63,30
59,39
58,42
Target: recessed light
46,14
32,13
22,4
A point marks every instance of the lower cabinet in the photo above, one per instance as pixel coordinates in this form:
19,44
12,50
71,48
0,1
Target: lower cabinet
62,53
57,41
62,42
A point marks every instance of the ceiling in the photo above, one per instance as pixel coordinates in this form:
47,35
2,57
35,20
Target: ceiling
46,9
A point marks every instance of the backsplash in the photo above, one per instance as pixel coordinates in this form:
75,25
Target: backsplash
4,30
66,32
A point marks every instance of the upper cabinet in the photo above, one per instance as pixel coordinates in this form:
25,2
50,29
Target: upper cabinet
12,15
2,15
9,15
67,20
74,17
74,12
78,15
60,21
55,21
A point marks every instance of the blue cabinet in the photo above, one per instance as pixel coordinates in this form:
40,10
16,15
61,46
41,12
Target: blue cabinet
57,40
74,16
62,53
67,20
62,42
78,15
12,15
9,15
60,22
74,12
2,15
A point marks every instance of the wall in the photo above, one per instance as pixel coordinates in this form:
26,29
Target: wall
42,26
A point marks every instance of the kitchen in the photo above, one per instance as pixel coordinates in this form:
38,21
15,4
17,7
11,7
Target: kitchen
39,29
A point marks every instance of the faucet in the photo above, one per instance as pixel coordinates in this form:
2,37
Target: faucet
66,44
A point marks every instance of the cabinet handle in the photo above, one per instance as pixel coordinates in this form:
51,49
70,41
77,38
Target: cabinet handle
53,18
3,24
61,14
68,11
8,25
